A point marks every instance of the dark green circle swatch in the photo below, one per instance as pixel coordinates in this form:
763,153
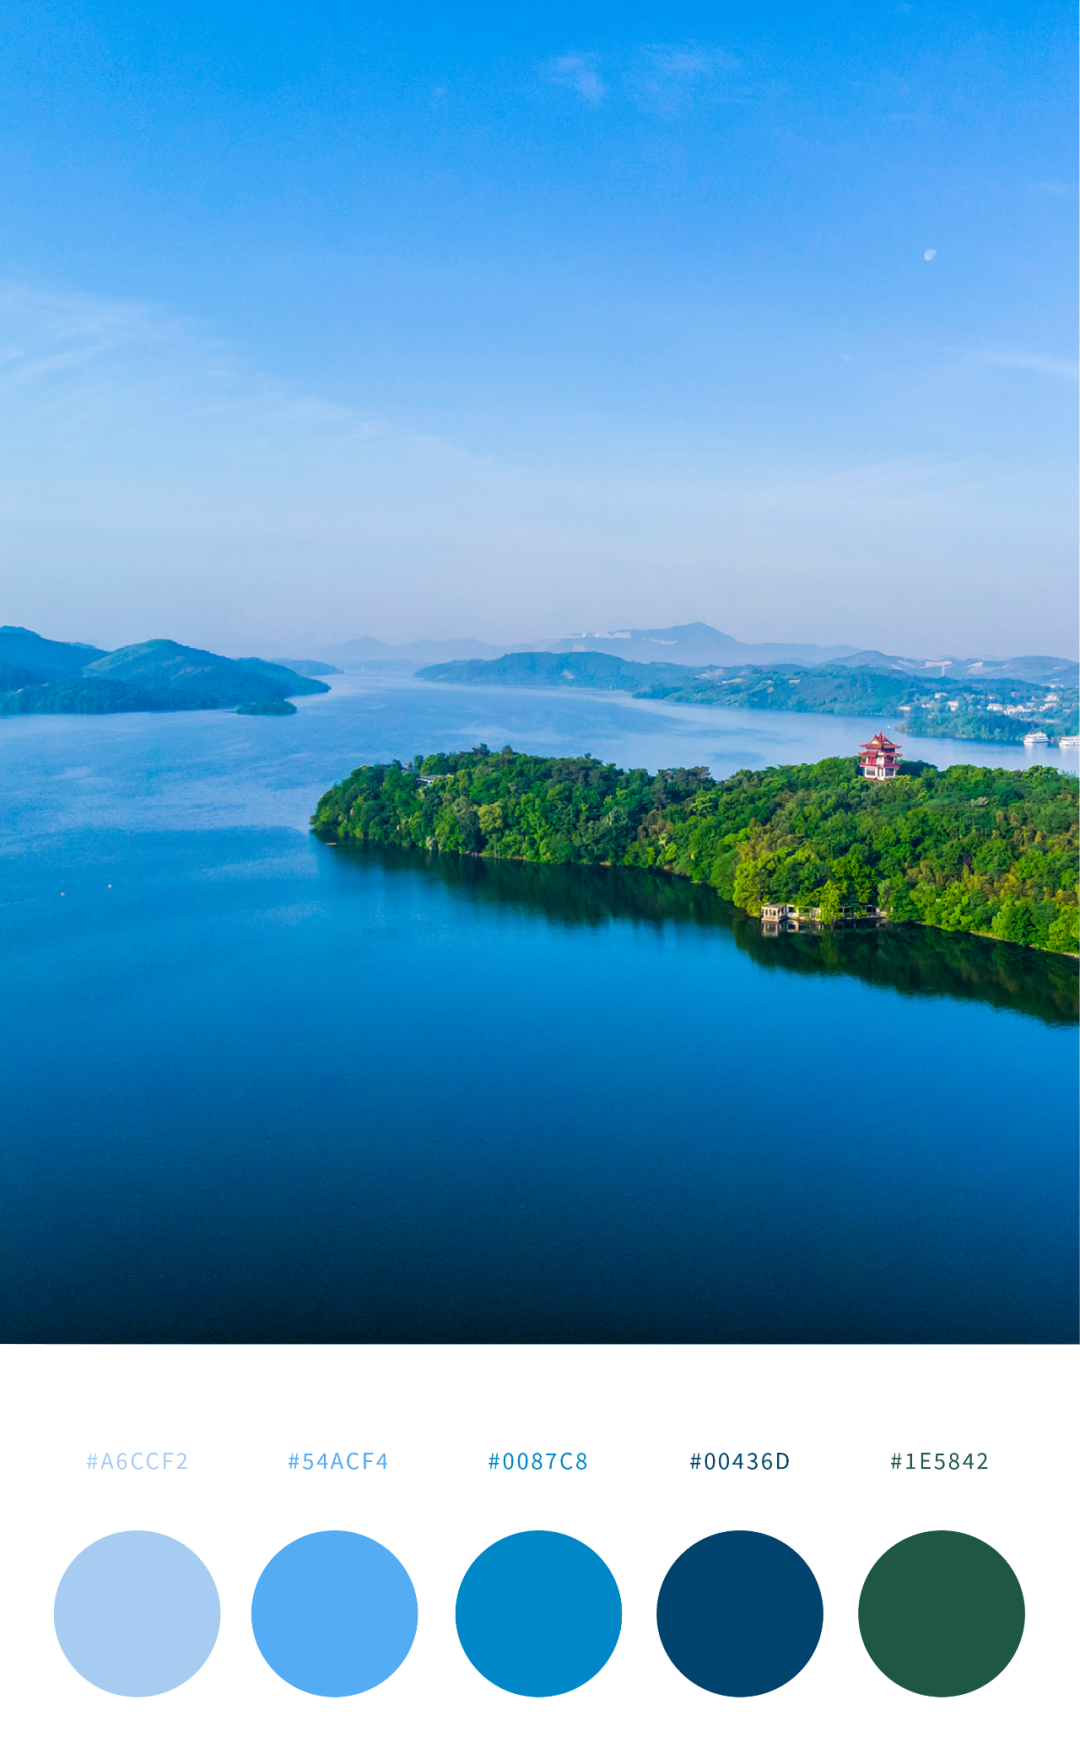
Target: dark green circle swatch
941,1614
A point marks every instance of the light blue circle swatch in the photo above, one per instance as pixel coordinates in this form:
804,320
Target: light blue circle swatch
137,1614
538,1614
334,1614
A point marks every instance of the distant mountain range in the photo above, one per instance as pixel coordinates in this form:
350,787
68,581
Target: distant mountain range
692,644
981,704
687,644
41,677
1030,668
689,662
309,668
366,651
698,644
556,671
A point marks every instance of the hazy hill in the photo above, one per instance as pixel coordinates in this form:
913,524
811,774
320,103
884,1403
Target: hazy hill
365,650
589,671
78,696
309,668
699,644
283,675
1028,669
150,675
1001,710
45,659
14,677
686,644
692,644
190,677
829,690
822,690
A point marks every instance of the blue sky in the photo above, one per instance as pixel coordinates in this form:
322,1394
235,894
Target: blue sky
320,321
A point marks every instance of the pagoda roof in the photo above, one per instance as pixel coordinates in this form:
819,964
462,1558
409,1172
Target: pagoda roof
879,743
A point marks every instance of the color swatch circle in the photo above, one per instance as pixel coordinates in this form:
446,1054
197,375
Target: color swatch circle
941,1614
334,1614
739,1614
538,1614
137,1614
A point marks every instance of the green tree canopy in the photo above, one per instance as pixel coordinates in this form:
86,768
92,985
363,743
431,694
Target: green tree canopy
984,851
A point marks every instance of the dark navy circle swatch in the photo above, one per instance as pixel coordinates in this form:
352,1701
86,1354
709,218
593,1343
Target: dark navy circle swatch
739,1613
334,1614
538,1614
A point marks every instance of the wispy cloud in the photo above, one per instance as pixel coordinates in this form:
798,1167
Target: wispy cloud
578,73
885,488
672,75
153,482
76,355
662,77
1030,363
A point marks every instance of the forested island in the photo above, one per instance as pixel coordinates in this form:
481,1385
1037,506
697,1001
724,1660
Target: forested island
996,708
985,851
40,677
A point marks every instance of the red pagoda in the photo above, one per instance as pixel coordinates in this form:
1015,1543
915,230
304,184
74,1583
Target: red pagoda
879,758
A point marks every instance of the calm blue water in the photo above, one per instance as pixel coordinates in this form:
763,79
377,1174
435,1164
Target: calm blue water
255,1089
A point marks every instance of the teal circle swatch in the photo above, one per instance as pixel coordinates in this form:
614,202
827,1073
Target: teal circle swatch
137,1614
941,1613
334,1614
739,1613
538,1614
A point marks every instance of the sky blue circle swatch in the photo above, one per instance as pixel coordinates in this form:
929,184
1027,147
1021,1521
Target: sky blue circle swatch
334,1614
137,1614
538,1614
739,1614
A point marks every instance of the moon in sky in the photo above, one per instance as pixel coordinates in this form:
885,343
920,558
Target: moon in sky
929,255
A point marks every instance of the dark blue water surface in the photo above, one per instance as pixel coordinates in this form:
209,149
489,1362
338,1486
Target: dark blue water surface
255,1089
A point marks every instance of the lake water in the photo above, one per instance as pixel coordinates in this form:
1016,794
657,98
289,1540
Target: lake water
255,1089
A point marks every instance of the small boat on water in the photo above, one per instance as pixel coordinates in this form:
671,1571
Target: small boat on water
1069,741
1036,739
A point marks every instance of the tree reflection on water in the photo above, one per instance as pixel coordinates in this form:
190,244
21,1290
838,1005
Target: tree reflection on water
907,958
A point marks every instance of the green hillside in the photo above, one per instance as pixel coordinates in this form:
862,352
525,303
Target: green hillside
44,658
75,696
554,671
998,709
189,677
39,677
985,851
